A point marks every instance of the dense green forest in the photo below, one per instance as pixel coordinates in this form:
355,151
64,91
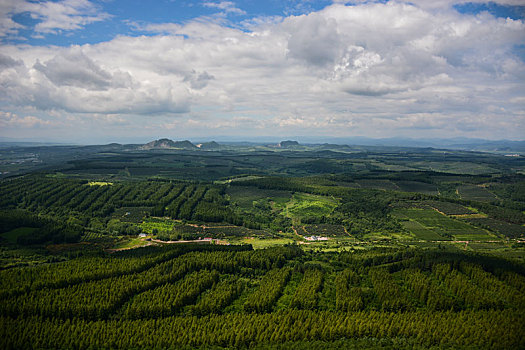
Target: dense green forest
314,247
196,295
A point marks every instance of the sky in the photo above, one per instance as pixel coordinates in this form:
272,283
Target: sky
98,71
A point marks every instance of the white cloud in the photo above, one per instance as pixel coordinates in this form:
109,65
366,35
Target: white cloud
374,69
8,119
226,6
74,68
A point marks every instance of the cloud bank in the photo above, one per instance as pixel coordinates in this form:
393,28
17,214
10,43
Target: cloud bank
365,68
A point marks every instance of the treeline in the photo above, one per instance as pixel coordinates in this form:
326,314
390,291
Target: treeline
69,290
169,298
45,228
269,290
481,329
91,268
220,296
307,294
349,296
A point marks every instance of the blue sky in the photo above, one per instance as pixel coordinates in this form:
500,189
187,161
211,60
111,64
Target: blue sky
122,14
110,70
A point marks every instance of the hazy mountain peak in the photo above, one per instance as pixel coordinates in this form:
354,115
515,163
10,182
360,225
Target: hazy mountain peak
168,144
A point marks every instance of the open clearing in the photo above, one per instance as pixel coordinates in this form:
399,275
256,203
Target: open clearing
305,205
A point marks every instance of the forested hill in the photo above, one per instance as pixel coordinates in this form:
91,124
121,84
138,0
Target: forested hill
231,296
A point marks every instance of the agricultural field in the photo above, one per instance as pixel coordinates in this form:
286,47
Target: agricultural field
476,193
500,227
449,208
421,232
258,243
424,221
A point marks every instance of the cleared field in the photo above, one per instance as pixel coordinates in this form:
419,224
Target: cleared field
305,205
130,243
265,243
99,183
475,193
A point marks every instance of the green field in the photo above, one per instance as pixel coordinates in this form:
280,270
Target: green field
422,232
440,225
127,243
304,205
155,225
258,243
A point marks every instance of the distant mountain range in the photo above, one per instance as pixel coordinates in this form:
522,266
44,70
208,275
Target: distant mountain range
464,144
